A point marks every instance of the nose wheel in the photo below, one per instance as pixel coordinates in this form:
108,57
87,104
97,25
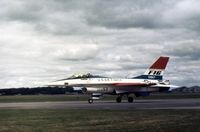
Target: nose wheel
90,101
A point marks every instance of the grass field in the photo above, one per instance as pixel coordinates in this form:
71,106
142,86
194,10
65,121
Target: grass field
44,120
42,98
70,120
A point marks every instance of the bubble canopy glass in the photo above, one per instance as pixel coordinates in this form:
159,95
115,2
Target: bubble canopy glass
82,76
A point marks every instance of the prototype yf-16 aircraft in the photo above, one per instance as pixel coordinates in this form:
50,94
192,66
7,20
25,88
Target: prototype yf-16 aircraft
143,85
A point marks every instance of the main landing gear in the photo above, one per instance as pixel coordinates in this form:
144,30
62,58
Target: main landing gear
130,99
119,99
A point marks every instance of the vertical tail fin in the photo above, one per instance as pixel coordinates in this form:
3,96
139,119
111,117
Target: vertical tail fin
156,70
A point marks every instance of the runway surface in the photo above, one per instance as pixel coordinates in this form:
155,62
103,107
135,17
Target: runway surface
138,104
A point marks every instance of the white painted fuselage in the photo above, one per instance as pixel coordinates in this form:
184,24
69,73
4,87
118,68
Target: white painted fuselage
110,85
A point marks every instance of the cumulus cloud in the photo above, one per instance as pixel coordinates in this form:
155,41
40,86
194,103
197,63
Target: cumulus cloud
48,40
145,14
185,50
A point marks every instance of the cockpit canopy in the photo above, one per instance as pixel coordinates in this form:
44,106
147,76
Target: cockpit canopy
83,76
77,76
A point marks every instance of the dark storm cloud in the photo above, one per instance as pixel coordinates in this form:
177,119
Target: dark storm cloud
123,14
148,14
56,17
20,11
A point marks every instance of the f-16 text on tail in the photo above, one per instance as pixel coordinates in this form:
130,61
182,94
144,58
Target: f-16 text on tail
142,85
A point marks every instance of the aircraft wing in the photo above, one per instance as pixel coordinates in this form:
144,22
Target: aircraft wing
164,85
134,84
143,84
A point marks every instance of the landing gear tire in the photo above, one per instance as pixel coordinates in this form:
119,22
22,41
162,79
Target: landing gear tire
90,101
119,99
130,99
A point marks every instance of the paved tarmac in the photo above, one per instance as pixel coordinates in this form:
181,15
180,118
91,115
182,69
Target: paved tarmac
138,104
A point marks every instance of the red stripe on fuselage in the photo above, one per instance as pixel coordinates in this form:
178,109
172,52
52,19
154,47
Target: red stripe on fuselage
129,84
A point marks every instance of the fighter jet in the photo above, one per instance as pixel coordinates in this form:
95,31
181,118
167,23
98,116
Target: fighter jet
142,85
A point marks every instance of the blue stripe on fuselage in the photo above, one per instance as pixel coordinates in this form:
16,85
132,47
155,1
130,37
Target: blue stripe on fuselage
153,77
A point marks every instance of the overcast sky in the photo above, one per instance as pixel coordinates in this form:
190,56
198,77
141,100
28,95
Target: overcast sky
46,40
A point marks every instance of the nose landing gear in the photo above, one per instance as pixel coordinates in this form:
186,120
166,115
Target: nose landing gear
90,101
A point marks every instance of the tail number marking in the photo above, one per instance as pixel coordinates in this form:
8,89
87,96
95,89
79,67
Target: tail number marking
154,72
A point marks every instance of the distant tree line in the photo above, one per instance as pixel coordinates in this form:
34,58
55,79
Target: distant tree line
193,89
37,90
70,90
